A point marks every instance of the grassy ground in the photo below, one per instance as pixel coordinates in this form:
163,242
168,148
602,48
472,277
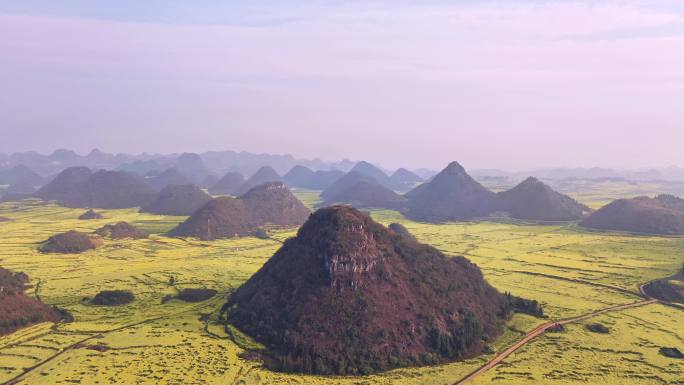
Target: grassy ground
569,270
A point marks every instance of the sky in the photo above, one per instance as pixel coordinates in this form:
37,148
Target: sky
493,84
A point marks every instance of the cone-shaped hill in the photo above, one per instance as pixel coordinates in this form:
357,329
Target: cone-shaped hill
298,176
662,215
404,180
534,200
17,309
228,185
360,191
63,185
20,174
225,217
177,200
263,175
367,169
78,187
451,195
168,177
273,203
349,296
192,166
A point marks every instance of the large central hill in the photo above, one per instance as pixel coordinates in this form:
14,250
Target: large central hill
79,187
451,195
534,200
662,215
349,296
224,217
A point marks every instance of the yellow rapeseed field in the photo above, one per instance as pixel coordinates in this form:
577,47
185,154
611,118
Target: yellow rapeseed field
569,270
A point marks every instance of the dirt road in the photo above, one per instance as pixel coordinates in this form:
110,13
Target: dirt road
541,329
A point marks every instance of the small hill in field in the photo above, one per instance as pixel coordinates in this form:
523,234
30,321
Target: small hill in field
168,177
79,187
367,169
20,174
662,215
451,195
263,175
70,242
177,200
349,296
90,214
17,310
222,217
225,217
228,185
362,191
120,230
196,294
273,203
113,298
404,180
534,200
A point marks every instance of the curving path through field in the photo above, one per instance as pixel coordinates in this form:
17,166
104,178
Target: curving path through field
541,329
21,376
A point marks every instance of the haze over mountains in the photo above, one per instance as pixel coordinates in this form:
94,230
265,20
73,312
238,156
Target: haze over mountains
33,167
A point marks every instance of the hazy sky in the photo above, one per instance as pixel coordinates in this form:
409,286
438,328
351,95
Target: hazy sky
507,84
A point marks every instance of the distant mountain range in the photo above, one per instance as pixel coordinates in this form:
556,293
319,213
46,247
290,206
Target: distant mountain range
34,169
212,162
